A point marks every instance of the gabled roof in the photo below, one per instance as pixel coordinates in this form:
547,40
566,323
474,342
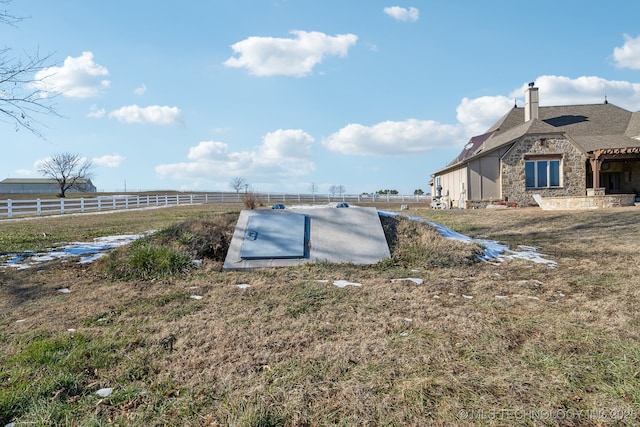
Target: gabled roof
633,130
590,127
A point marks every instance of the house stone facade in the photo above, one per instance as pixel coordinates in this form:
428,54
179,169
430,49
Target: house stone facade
572,166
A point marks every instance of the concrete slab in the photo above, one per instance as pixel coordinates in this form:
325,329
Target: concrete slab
338,235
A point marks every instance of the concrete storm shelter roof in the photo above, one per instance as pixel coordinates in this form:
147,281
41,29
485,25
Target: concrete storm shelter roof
288,237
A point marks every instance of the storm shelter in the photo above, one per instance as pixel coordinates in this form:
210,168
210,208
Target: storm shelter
287,237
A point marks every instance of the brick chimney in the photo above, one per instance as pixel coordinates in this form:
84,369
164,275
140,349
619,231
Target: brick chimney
531,102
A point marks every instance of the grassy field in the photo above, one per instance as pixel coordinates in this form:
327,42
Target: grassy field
516,343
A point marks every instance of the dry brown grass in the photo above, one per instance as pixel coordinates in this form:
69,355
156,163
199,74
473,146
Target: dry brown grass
291,350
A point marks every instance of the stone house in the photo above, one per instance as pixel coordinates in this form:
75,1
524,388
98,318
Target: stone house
570,151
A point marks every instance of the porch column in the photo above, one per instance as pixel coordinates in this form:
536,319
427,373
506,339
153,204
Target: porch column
595,167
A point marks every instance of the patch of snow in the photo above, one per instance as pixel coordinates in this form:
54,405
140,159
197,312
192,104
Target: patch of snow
404,334
64,290
87,252
104,392
501,297
467,296
91,258
21,320
243,285
436,296
71,330
407,319
344,283
196,297
411,279
492,250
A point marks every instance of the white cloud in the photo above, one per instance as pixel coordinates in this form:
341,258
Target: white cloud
154,114
95,112
109,160
284,154
140,90
269,56
628,55
394,138
398,13
78,78
286,145
479,114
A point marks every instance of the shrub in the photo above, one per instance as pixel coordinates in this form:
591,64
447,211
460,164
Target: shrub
250,200
149,262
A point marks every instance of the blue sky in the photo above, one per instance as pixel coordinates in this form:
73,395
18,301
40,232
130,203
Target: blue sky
370,95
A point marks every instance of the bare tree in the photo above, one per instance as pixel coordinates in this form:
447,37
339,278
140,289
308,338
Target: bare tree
239,183
67,169
22,94
333,190
313,187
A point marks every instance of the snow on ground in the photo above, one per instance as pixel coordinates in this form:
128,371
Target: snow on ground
493,251
87,252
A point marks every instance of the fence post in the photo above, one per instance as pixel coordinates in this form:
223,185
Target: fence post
99,204
82,204
126,202
38,207
9,209
61,206
137,201
166,200
113,199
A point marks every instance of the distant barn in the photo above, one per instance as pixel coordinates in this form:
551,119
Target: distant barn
42,186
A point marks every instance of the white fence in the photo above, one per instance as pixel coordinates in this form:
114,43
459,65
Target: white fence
39,207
